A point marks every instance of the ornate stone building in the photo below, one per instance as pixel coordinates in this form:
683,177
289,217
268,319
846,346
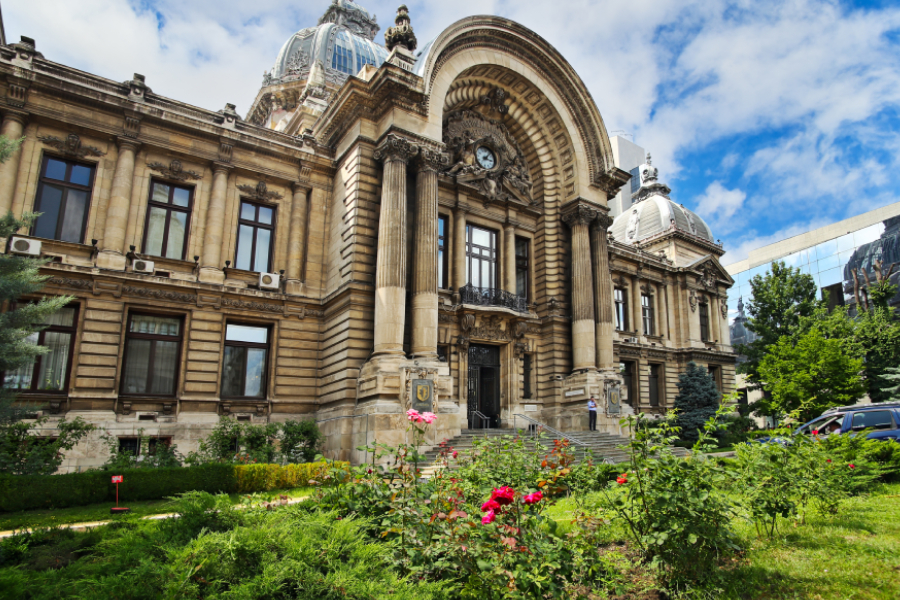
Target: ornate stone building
389,227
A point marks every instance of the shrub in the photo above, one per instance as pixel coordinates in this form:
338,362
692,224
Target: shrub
697,400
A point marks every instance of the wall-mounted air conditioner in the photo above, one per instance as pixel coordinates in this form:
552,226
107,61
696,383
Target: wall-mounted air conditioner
269,281
19,245
142,266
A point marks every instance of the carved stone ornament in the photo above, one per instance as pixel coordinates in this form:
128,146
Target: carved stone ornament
693,301
708,276
466,323
71,146
260,192
352,17
401,34
520,349
723,305
495,100
468,133
580,215
258,306
619,281
396,148
490,329
174,171
432,160
157,294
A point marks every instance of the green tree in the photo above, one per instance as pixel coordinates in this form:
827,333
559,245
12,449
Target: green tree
697,401
300,441
780,299
24,453
811,374
892,390
8,146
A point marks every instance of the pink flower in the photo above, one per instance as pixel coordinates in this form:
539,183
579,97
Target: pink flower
852,466
455,454
413,415
490,505
429,417
533,498
828,461
815,432
488,518
504,495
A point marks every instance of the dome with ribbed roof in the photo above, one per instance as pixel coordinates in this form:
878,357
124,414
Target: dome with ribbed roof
654,213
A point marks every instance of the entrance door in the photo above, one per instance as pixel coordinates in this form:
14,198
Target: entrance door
484,385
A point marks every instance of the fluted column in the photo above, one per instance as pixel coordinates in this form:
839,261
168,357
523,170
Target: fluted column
13,127
112,255
459,248
636,309
509,258
297,238
211,269
662,310
390,269
583,337
603,295
425,265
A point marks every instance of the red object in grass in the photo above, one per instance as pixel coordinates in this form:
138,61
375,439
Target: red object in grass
117,479
852,466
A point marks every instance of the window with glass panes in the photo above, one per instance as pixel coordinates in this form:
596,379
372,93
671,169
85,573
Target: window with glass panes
256,230
152,349
49,372
63,200
244,362
704,321
168,219
522,266
621,298
481,257
342,59
443,255
527,375
647,314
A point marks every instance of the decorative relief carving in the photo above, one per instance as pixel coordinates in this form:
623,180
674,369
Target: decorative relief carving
78,284
175,171
447,318
491,329
157,294
708,276
465,133
259,306
225,152
495,100
693,301
580,215
395,147
71,146
432,160
723,306
260,192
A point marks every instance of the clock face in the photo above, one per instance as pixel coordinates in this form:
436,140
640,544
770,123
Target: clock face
486,158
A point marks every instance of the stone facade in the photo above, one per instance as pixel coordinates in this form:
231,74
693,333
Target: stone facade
377,188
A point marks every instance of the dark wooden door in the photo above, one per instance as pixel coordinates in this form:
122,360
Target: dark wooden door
484,385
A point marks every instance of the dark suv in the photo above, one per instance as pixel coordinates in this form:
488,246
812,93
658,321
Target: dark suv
884,419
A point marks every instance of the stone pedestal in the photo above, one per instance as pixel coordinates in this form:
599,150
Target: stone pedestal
571,413
211,275
111,260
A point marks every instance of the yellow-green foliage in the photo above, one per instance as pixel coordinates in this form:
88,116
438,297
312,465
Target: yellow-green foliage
262,478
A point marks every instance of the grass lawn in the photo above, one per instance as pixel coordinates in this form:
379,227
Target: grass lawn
100,512
854,555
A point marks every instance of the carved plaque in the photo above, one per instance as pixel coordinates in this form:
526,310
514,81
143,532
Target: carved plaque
613,399
423,395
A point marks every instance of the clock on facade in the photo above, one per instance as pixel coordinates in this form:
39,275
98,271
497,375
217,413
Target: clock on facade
485,157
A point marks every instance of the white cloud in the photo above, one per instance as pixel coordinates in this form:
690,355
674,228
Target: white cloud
718,205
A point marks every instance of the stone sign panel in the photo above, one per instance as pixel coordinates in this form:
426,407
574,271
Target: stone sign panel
423,395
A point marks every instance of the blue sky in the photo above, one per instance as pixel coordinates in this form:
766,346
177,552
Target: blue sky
767,117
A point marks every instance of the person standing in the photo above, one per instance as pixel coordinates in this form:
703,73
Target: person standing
592,414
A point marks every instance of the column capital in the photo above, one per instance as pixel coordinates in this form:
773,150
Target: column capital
125,143
432,161
19,116
396,148
603,222
221,167
579,214
300,186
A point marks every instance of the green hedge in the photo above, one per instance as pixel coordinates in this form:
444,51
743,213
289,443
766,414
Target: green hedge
29,492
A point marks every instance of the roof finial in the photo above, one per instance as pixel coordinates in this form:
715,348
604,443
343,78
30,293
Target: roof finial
648,159
402,33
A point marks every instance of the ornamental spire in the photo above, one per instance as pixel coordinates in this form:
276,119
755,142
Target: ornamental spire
402,33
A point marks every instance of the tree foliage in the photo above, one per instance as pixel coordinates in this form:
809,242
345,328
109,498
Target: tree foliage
289,442
811,375
23,453
697,401
8,146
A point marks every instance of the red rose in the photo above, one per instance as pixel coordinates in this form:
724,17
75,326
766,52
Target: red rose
852,466
504,495
623,478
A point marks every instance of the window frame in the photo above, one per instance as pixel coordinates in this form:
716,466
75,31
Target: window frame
153,337
443,254
38,360
523,265
527,374
43,180
267,346
703,313
494,257
715,371
648,314
621,303
660,382
151,203
255,225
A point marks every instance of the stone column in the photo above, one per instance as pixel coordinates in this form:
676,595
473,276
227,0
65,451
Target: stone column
662,310
211,270
603,294
13,127
425,265
112,255
584,340
714,323
390,269
459,249
296,256
509,258
637,320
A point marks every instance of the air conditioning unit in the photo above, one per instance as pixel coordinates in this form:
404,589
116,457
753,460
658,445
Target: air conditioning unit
142,266
269,281
631,340
19,245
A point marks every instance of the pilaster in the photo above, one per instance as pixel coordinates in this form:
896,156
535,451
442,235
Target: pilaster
584,352
424,293
296,241
13,126
211,270
112,255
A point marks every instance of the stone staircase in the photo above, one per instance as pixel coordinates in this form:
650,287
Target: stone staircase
604,447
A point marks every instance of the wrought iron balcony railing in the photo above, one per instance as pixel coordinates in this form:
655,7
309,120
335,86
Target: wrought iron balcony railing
469,294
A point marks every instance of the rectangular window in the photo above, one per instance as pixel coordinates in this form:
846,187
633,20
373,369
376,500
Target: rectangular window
155,443
152,350
443,255
834,295
704,322
654,385
481,257
49,372
875,419
443,352
526,375
63,199
131,445
168,219
256,232
244,363
647,314
621,298
635,179
716,374
626,369
522,267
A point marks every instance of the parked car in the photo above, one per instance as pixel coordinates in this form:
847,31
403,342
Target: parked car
884,419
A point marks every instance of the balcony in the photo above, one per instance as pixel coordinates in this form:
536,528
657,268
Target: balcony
470,294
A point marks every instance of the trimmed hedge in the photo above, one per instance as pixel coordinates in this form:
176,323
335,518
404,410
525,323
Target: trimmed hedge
29,492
